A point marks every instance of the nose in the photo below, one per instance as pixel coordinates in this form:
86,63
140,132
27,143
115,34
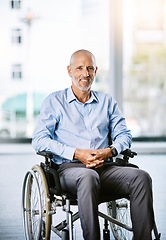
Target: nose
86,72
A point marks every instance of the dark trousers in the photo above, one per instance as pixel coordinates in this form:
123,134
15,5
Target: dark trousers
109,182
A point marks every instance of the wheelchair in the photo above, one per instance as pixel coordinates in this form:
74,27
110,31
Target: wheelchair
42,196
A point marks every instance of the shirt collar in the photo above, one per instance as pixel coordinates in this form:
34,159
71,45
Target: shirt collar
71,97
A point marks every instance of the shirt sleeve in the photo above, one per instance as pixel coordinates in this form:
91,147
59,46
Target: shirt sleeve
44,134
120,135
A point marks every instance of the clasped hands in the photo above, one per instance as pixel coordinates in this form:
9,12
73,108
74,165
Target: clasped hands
93,158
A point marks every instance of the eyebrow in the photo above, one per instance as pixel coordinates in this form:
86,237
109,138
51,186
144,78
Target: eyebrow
87,66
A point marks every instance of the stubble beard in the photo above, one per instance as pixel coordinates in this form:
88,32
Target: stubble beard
84,89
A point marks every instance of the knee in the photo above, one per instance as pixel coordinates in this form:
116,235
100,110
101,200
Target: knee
89,180
142,181
145,178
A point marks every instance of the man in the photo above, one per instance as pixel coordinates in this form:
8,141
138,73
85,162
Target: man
75,125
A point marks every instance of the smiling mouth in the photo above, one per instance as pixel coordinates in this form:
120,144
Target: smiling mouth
85,79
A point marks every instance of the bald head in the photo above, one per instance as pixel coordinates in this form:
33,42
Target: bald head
79,52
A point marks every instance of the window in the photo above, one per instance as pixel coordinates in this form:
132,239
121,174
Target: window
15,4
16,71
16,36
144,67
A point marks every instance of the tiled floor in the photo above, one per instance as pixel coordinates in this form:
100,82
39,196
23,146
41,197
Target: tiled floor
14,167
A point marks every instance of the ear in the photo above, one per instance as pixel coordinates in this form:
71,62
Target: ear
96,70
69,71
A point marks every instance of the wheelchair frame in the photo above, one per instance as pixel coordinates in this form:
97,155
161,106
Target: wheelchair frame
42,195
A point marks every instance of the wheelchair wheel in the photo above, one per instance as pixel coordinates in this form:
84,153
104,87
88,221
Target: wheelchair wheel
36,205
120,210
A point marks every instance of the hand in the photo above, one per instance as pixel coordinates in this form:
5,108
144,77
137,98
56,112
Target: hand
88,158
92,158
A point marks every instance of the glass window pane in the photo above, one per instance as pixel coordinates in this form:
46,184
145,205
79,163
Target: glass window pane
16,71
16,36
15,4
145,66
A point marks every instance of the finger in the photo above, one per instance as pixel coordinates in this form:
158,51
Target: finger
97,157
100,165
97,152
99,161
91,165
95,164
91,159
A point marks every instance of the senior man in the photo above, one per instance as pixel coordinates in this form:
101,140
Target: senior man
75,125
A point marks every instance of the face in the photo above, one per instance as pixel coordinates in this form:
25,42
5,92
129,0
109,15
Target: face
82,71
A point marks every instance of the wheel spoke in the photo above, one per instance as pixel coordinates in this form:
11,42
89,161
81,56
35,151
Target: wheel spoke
37,222
121,211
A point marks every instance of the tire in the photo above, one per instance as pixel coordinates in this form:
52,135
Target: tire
120,210
36,205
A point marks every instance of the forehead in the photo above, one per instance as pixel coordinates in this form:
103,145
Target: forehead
83,59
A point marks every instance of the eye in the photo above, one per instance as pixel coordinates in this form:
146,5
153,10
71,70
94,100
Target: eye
91,68
79,68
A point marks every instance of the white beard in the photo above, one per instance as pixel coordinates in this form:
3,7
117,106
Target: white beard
82,88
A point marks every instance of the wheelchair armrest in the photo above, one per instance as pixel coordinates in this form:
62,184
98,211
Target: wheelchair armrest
46,154
129,153
53,181
52,175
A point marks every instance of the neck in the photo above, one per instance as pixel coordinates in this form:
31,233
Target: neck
82,96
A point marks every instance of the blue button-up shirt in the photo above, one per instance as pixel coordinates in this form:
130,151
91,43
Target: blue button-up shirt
65,124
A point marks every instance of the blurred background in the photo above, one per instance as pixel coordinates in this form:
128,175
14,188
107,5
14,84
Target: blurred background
128,38
37,38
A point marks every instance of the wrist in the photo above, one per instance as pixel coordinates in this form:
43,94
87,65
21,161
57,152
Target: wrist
77,154
114,151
